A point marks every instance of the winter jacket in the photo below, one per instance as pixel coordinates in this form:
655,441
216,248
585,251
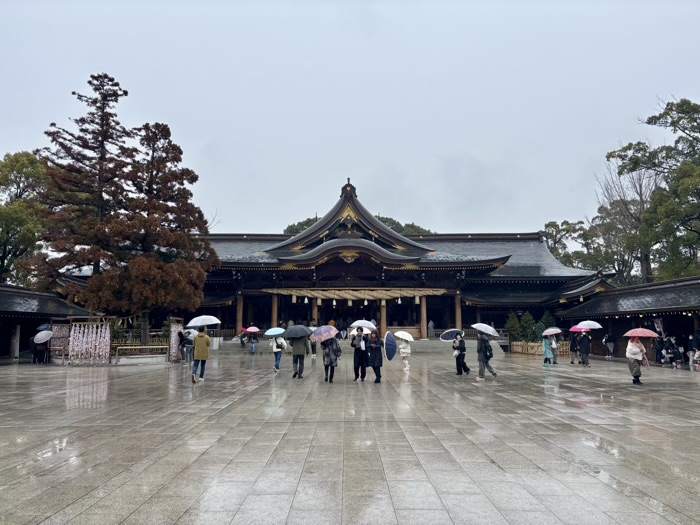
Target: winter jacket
331,352
280,340
547,348
482,348
375,352
635,350
300,346
201,346
356,342
459,344
585,345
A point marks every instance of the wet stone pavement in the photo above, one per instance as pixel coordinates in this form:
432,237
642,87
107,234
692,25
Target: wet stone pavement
142,445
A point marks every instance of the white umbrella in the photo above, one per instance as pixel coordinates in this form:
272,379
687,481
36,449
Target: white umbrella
403,335
591,325
203,320
43,336
191,333
488,330
353,332
551,331
364,324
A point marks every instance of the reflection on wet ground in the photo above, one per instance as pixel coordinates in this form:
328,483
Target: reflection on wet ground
141,444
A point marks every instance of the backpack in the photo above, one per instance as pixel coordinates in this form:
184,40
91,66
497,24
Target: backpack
488,351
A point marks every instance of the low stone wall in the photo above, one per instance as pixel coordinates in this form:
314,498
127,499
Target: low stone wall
520,347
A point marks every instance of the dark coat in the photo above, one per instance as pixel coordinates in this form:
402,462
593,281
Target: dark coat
331,352
375,352
459,345
356,342
300,345
482,349
575,343
585,345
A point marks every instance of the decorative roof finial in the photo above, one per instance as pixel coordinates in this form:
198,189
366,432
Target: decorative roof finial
348,180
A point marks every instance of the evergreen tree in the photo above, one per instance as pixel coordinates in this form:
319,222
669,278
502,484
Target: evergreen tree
526,325
87,170
22,176
163,258
513,327
547,320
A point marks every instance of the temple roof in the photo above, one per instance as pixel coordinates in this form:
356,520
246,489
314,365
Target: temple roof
349,229
18,301
676,295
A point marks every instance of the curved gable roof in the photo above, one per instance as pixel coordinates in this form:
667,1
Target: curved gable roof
348,210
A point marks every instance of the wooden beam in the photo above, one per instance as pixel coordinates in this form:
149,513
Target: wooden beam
239,313
423,318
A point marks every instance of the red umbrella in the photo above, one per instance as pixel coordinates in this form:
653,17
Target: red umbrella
578,329
641,332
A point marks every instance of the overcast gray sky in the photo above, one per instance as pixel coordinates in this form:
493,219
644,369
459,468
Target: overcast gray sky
473,116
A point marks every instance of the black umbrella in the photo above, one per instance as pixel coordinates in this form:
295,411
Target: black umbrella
297,330
43,327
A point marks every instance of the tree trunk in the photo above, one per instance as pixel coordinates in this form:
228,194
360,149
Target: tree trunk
645,267
145,329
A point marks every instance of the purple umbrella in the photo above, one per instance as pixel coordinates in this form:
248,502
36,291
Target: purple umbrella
323,333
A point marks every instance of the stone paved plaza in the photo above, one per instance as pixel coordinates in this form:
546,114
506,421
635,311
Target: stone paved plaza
142,445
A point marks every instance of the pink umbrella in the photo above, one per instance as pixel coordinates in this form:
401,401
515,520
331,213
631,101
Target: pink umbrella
578,329
252,329
641,332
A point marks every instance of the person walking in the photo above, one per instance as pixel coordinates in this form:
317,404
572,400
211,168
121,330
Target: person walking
313,327
300,348
405,351
484,354
361,344
585,349
201,353
376,346
460,347
241,337
554,346
574,348
635,358
548,354
431,329
609,342
253,340
278,345
331,353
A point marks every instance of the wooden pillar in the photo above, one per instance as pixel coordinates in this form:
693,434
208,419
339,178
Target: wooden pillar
15,343
274,315
314,310
696,322
478,314
423,317
239,313
458,311
383,326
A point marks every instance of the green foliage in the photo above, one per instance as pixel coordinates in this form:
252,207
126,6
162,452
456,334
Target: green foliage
547,320
298,227
527,323
22,176
556,235
672,222
536,333
403,229
513,326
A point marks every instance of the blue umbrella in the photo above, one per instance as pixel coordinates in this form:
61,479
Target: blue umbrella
43,327
274,332
389,345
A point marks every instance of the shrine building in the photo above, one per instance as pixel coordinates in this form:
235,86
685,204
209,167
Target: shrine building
349,264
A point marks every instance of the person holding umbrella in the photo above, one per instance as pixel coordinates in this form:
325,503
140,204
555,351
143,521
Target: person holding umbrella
201,354
548,353
313,327
460,348
574,339
585,348
278,345
375,355
361,344
331,354
484,354
635,357
300,348
253,338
